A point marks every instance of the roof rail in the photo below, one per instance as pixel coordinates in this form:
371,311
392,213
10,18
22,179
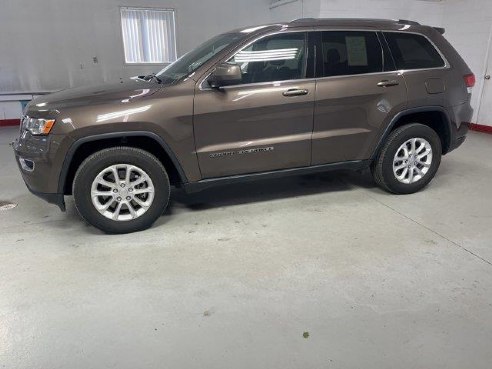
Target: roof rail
299,20
408,22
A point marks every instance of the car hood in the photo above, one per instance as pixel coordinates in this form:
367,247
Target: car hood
122,92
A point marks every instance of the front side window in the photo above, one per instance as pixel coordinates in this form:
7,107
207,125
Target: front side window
412,51
273,58
348,53
148,35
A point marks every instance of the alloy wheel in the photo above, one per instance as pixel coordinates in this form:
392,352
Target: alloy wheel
412,160
122,192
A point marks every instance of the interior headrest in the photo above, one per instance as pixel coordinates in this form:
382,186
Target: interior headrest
333,56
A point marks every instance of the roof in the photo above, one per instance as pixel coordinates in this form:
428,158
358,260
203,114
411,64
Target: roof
350,22
390,24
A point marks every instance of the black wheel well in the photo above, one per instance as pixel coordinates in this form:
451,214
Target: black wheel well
142,142
437,120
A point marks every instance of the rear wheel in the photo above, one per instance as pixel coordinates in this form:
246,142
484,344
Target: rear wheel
408,160
121,189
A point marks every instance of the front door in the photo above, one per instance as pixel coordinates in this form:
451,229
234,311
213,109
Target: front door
264,123
355,94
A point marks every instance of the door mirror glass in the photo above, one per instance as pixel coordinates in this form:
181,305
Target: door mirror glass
225,74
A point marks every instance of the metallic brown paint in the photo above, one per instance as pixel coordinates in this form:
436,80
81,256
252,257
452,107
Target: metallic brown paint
251,116
339,119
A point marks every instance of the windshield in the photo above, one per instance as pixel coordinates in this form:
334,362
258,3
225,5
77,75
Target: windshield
191,61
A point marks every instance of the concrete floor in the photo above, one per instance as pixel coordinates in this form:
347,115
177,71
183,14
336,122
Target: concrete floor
234,277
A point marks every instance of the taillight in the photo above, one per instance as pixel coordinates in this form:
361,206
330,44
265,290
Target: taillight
470,80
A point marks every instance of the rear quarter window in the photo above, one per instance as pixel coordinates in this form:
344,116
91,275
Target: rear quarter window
412,51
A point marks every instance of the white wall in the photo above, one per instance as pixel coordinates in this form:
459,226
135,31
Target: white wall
423,11
46,45
468,27
286,10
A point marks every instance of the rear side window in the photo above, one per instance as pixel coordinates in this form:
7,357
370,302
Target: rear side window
412,51
348,53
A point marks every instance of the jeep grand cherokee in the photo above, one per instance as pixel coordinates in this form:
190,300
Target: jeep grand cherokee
300,97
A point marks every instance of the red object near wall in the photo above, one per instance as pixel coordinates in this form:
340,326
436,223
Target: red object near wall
480,128
9,122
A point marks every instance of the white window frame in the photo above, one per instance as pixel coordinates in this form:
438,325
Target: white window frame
174,41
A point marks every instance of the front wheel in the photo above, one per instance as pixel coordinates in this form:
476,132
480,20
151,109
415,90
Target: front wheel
121,189
408,160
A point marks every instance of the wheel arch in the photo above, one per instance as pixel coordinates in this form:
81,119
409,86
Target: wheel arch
436,117
148,141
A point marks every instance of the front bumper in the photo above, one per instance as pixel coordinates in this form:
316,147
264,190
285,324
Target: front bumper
52,198
35,157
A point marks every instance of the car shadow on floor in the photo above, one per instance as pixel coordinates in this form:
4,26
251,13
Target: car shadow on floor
282,188
271,189
242,193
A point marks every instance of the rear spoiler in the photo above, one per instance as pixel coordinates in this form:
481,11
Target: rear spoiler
440,30
413,23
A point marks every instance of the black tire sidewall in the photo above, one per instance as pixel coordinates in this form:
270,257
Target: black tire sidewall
394,142
97,162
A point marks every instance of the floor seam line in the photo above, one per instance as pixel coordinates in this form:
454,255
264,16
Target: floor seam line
433,231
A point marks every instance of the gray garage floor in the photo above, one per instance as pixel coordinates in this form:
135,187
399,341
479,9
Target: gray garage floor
320,271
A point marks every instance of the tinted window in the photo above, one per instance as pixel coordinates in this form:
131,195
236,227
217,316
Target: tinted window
346,53
273,58
412,51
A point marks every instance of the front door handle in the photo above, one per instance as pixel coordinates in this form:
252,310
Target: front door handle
387,83
295,92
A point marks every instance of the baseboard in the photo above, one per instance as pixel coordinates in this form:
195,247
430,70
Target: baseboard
480,128
9,122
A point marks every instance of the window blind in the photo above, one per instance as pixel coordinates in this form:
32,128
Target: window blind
148,35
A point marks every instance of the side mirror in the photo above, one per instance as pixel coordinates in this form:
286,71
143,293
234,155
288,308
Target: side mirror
225,74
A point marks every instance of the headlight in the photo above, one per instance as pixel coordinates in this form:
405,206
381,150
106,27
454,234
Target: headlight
38,126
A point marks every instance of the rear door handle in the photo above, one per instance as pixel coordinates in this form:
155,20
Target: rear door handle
388,83
295,92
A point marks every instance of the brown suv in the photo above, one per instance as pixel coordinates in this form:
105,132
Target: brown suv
301,97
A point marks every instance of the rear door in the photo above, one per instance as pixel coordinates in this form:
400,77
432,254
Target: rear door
265,122
357,91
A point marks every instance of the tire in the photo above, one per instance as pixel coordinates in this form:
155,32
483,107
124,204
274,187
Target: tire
398,181
137,200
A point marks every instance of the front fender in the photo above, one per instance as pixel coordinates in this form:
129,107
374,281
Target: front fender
112,135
